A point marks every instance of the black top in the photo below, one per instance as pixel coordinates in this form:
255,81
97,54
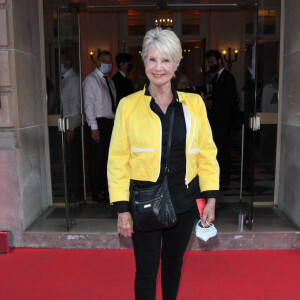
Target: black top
123,86
224,97
183,196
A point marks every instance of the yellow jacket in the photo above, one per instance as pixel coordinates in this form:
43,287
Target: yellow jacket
135,147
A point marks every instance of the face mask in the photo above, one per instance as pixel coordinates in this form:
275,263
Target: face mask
129,68
214,68
62,69
105,68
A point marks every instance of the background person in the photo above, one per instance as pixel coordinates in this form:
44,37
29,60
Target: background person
223,101
205,90
138,152
71,108
100,106
182,83
70,94
121,80
268,132
269,101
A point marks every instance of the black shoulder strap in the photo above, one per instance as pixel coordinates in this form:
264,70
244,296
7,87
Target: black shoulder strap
170,138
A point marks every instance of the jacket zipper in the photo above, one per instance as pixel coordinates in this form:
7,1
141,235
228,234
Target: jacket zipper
160,140
187,155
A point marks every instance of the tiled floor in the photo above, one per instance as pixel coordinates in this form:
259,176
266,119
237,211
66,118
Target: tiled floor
95,218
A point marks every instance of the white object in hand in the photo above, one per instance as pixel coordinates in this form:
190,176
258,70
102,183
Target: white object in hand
205,233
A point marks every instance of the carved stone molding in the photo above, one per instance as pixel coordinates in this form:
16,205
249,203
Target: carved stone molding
4,69
3,28
5,110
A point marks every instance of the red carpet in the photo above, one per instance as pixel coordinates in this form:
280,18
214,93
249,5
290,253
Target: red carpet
108,274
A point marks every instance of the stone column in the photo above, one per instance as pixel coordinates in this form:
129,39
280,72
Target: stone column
23,178
289,119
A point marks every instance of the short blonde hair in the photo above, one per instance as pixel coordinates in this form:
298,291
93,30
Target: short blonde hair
166,42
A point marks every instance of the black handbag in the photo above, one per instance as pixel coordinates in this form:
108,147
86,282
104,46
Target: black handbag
152,207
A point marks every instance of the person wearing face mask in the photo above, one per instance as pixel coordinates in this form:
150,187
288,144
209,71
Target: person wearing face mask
71,109
223,101
70,93
121,80
100,106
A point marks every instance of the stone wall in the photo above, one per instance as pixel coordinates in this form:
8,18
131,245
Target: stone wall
289,170
23,188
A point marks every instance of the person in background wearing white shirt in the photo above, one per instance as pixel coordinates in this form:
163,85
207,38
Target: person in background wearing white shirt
100,106
71,109
269,101
70,93
268,132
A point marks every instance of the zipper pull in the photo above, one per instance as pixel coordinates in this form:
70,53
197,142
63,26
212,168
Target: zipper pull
186,183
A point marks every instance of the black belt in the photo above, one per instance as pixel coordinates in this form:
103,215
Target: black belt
102,119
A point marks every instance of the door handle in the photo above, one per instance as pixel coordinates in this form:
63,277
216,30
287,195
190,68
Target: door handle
67,124
254,123
61,125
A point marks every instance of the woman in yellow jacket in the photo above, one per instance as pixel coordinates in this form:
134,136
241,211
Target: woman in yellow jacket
138,153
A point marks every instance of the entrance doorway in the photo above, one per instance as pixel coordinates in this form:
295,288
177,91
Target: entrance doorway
65,111
74,29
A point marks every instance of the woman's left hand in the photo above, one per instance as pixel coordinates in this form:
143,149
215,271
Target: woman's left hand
208,212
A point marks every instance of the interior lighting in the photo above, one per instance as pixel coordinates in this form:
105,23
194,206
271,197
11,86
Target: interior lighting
163,18
228,58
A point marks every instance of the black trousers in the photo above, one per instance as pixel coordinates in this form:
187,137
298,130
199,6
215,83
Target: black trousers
168,245
74,164
99,155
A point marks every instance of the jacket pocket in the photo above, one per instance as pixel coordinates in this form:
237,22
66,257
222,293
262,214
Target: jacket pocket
143,163
136,150
194,151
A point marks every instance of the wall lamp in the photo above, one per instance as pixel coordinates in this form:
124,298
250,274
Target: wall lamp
91,53
228,57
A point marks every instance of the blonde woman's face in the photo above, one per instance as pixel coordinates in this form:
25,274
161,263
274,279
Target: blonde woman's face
159,69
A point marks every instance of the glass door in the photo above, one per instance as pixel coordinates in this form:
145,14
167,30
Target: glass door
71,109
259,105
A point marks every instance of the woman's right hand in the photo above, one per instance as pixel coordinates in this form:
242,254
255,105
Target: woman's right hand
125,224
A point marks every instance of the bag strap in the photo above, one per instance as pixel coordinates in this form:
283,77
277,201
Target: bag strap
170,139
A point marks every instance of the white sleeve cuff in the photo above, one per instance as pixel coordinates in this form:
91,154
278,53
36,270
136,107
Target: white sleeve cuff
94,126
